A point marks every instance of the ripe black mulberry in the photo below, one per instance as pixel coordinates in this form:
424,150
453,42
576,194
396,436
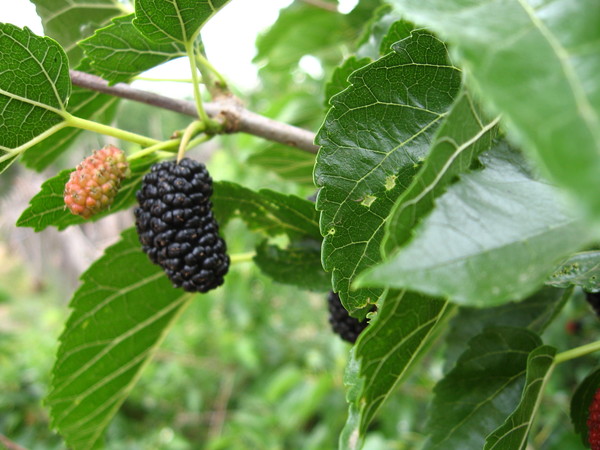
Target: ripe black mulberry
176,226
593,422
342,323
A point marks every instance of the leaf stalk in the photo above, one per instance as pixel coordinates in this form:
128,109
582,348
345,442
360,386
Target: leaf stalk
189,48
241,257
36,140
577,352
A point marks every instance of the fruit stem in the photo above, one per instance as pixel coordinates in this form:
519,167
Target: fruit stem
165,145
199,140
241,257
84,124
577,352
191,130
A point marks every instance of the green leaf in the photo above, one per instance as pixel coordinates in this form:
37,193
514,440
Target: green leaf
534,313
84,104
298,264
398,30
386,350
497,214
166,21
265,211
300,29
462,137
581,269
373,139
69,21
34,88
547,53
482,389
120,315
120,51
580,404
289,163
339,78
350,438
47,208
513,433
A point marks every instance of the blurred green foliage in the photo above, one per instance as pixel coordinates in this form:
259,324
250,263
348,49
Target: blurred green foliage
252,365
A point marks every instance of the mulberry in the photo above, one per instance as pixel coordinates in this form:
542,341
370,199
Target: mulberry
93,186
346,326
176,226
593,298
593,422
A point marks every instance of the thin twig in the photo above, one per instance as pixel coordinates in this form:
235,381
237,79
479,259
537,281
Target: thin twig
219,415
10,445
235,116
322,4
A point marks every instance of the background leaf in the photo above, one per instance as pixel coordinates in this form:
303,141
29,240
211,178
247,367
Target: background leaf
69,21
298,264
550,55
47,208
120,51
386,351
513,433
581,269
289,163
301,29
120,314
265,211
373,138
479,393
580,404
34,87
166,21
381,32
497,214
534,313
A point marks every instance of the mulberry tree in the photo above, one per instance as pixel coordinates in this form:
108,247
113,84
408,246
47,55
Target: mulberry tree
454,148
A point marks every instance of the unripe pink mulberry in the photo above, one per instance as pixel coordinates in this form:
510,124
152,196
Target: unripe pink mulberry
93,186
593,422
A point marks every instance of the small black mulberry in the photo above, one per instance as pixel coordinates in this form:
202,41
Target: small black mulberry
342,323
593,298
176,226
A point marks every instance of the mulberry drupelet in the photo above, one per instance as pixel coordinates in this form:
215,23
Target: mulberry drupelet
342,323
176,226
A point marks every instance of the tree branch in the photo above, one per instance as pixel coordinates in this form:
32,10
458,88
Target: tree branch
228,109
10,445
